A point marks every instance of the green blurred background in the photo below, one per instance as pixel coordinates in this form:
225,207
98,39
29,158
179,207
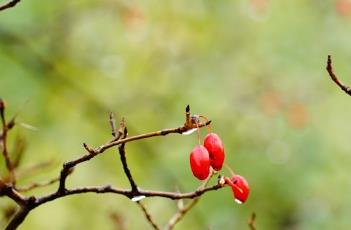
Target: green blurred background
256,68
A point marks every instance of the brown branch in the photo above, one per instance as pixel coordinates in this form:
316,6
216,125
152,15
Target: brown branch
122,132
120,139
9,4
252,221
32,202
148,216
9,191
8,162
182,210
180,214
35,185
189,124
123,158
333,76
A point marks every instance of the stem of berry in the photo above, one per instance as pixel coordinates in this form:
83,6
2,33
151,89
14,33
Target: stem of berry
209,127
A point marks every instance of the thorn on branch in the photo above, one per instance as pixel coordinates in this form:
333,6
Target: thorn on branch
333,76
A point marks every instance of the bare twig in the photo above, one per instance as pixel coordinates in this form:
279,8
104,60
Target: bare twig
35,185
333,76
120,139
9,4
8,162
182,210
148,216
123,158
252,221
92,152
122,132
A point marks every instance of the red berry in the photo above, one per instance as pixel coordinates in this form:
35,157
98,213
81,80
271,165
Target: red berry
200,162
240,188
215,148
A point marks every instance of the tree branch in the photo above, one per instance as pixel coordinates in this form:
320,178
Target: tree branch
182,210
188,125
9,4
333,76
120,139
148,216
35,185
9,191
8,162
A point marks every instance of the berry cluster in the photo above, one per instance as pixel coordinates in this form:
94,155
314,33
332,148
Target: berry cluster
211,155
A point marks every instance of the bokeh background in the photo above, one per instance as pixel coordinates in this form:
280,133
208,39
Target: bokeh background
256,68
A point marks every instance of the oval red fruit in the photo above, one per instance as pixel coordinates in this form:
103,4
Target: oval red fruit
200,162
240,188
215,148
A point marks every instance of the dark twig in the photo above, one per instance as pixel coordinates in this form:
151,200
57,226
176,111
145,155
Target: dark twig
9,4
148,216
9,191
252,221
122,132
120,138
189,124
123,158
8,162
100,189
333,76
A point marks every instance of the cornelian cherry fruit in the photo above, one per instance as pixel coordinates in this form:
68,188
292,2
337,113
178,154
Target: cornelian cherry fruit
200,162
240,188
215,148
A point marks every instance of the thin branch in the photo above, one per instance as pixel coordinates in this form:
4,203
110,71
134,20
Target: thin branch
182,210
122,132
27,204
121,149
123,158
180,214
8,162
189,124
333,76
163,132
35,185
252,221
148,216
9,4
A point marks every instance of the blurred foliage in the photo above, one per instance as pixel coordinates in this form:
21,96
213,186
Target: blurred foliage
255,67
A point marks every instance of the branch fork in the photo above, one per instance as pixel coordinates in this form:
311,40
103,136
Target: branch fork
119,139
